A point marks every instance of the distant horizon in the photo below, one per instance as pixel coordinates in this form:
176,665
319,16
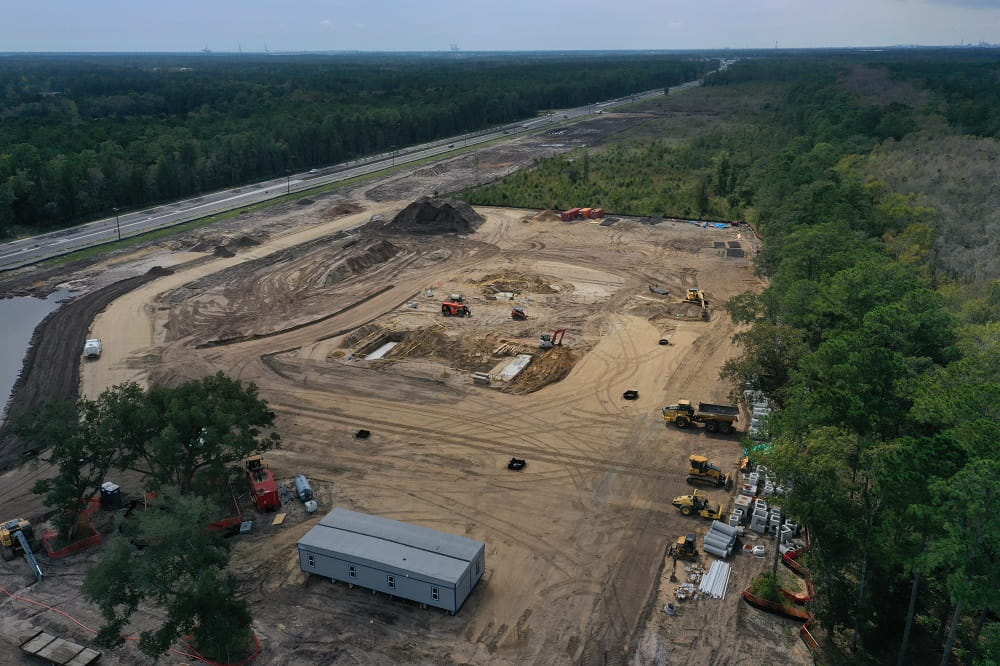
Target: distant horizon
481,26
460,52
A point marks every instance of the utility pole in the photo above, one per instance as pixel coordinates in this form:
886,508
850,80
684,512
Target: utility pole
117,226
288,181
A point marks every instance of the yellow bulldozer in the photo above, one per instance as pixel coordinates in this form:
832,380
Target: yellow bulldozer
697,503
702,472
684,548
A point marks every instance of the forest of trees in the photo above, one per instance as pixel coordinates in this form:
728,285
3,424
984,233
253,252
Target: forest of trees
80,136
885,368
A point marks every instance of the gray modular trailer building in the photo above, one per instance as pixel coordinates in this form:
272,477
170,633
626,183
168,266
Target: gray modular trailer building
416,563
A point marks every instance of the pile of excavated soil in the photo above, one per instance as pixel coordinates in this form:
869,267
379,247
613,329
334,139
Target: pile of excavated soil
547,366
429,215
473,353
544,216
341,209
228,246
361,256
518,283
242,241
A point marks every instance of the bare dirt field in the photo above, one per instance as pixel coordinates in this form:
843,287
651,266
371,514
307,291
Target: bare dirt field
576,542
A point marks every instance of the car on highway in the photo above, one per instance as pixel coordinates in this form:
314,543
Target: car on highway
313,171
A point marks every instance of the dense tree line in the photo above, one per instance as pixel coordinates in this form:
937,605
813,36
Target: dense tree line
80,136
885,375
887,400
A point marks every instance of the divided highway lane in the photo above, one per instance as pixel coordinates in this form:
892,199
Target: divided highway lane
37,248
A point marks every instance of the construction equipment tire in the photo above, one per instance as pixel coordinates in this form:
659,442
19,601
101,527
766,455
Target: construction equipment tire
6,553
711,426
686,510
682,422
725,428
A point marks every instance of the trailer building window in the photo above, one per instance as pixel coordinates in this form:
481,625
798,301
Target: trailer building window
392,581
312,561
434,593
352,571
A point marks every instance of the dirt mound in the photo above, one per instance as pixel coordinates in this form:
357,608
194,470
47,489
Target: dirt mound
515,282
429,215
547,367
469,353
362,255
341,209
225,247
242,241
544,216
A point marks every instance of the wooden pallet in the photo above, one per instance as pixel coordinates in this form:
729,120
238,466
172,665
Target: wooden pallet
59,651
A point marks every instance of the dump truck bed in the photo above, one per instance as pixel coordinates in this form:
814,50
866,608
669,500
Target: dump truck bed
717,410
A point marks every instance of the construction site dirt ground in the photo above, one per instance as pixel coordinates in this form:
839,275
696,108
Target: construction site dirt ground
575,543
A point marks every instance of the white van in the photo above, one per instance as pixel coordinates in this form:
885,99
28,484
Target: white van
92,348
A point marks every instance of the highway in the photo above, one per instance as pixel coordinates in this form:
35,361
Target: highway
131,223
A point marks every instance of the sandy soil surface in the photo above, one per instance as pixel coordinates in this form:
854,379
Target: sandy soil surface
576,542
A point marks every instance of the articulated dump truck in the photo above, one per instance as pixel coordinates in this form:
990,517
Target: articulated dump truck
715,418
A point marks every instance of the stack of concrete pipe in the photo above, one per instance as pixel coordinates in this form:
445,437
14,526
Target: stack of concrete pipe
720,540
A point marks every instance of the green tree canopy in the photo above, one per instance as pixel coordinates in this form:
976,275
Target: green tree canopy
180,567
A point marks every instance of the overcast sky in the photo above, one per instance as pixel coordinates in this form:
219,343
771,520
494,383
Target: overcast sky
488,25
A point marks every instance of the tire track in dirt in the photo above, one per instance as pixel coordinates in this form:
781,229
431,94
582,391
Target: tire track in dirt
486,445
559,559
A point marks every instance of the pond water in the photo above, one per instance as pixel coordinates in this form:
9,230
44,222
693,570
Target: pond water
18,319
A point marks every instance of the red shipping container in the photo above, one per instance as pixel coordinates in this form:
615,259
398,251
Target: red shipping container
570,214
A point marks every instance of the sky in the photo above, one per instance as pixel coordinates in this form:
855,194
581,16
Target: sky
489,25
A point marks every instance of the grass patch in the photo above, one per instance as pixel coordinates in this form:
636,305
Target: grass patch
767,586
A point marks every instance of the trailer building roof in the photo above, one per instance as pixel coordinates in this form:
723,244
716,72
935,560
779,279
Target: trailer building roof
404,534
374,540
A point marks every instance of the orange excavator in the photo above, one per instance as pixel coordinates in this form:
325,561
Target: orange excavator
518,314
546,341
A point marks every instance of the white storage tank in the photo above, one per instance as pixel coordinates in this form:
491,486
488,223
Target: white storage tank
302,488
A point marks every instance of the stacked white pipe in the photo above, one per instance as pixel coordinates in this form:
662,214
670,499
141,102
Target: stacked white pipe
715,582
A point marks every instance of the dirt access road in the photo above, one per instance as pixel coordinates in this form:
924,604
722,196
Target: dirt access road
576,542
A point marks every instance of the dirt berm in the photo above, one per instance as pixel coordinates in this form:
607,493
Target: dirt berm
51,369
428,215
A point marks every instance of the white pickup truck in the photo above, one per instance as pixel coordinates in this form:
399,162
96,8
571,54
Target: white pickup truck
92,348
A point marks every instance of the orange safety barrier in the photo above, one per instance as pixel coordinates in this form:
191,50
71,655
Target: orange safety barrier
94,537
790,560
